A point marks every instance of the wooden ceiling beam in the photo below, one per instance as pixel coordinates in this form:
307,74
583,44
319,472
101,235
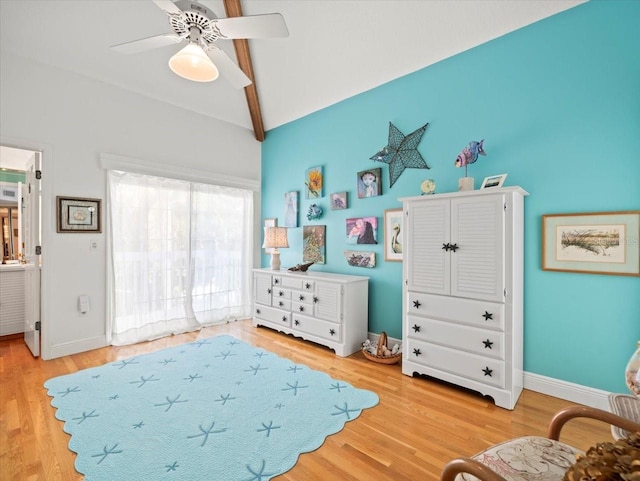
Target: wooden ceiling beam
233,9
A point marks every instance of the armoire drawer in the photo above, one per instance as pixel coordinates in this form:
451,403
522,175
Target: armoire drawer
324,329
472,366
485,314
484,342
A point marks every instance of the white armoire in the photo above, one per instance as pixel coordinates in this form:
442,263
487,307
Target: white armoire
463,289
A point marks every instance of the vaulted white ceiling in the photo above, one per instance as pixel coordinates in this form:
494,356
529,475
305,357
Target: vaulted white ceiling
336,48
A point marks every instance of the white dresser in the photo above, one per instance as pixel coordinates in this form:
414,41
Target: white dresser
330,309
463,288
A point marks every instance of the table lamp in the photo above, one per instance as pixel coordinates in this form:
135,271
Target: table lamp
274,238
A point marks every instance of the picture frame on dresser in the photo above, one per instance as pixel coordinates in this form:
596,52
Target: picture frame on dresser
592,243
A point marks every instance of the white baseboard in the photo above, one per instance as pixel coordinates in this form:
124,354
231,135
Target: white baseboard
568,391
68,348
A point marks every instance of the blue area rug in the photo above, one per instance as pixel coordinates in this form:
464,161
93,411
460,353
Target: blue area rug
215,409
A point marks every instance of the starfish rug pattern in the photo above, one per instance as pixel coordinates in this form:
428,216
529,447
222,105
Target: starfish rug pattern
401,152
213,409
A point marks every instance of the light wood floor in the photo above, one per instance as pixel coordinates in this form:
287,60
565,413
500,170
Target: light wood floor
418,426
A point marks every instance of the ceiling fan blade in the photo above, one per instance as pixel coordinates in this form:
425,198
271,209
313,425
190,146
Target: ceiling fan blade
168,6
227,68
253,26
148,43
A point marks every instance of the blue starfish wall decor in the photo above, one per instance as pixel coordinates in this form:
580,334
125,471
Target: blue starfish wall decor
401,152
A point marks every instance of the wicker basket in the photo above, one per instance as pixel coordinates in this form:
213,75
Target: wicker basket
379,358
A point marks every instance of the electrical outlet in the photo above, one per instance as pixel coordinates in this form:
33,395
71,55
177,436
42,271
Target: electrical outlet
93,244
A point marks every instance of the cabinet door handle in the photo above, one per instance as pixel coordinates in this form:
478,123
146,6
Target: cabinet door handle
296,322
487,315
301,308
454,247
488,344
332,332
315,300
416,328
416,304
269,291
446,246
487,371
417,351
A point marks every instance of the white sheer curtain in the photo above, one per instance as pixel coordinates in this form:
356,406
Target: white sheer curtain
180,255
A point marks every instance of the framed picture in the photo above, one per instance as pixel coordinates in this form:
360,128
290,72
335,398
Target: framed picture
369,184
313,243
291,209
269,222
314,183
78,214
593,243
362,230
339,201
393,235
493,181
360,259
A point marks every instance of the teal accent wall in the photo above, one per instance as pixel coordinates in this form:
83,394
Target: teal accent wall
558,104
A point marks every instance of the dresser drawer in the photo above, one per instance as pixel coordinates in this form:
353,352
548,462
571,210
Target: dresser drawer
277,316
472,366
302,308
479,341
280,292
485,314
324,329
281,303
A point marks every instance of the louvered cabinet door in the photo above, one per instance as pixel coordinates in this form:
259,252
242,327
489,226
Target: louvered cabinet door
477,252
429,226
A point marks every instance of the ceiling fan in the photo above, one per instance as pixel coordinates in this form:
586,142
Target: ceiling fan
201,59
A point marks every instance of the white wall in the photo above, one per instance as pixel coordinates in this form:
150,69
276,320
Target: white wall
74,119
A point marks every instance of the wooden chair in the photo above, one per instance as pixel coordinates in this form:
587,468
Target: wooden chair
531,457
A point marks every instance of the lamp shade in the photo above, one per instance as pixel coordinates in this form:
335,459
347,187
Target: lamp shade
194,64
275,237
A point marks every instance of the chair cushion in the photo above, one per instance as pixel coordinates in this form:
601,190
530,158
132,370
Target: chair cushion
528,458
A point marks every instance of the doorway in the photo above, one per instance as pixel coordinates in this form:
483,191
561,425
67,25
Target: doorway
21,201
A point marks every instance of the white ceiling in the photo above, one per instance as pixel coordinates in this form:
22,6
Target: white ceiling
336,48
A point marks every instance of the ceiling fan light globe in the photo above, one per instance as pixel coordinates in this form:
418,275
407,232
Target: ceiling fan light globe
192,63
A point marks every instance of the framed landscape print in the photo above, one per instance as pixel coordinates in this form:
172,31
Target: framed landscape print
594,243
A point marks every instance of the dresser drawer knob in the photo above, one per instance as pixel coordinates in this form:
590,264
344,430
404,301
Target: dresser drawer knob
307,286
280,303
416,351
487,371
275,281
332,332
301,308
416,304
257,311
488,344
301,297
280,293
296,322
284,318
487,315
416,328
315,299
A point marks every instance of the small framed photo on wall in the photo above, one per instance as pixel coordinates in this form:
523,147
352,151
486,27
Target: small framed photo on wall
369,183
78,214
314,183
339,200
393,235
291,209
